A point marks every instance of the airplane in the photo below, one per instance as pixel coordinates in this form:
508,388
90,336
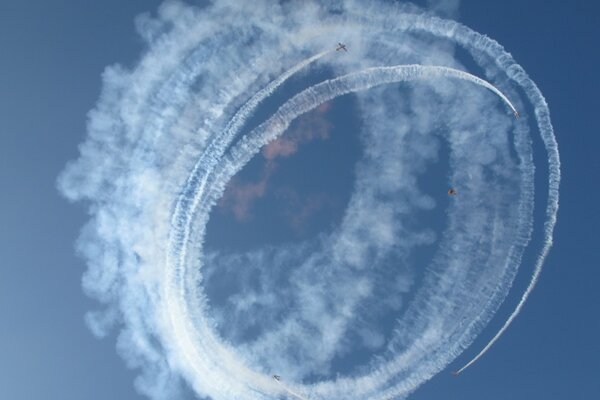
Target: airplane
455,373
516,114
277,377
451,192
341,46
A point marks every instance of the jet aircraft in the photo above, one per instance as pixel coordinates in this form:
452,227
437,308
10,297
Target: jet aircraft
341,46
277,377
451,192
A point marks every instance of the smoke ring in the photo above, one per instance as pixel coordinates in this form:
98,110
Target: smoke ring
128,277
186,210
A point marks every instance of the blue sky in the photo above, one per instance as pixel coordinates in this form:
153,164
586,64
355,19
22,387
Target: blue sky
51,78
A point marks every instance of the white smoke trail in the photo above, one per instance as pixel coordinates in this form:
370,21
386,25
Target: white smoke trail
476,43
513,315
465,37
220,142
165,140
186,210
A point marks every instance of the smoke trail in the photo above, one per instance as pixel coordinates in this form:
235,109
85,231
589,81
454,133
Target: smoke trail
186,210
516,73
167,137
517,310
219,143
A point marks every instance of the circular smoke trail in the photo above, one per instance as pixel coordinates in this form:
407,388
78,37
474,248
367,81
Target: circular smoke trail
167,137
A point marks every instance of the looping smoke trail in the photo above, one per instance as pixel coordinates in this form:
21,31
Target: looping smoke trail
167,137
187,209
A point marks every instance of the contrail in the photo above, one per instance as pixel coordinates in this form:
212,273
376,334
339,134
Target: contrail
215,149
195,187
167,136
330,89
485,84
221,141
471,39
242,152
536,274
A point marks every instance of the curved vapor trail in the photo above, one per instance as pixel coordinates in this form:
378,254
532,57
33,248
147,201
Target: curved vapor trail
167,137
185,208
220,142
194,195
534,280
536,274
517,73
476,43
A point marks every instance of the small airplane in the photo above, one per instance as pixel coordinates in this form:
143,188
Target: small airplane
341,46
451,192
455,373
517,114
277,377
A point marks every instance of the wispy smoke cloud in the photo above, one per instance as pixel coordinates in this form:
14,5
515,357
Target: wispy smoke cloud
167,138
240,195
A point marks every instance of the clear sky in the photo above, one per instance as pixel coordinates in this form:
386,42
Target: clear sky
52,58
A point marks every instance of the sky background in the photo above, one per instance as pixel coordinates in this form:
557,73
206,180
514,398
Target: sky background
52,55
